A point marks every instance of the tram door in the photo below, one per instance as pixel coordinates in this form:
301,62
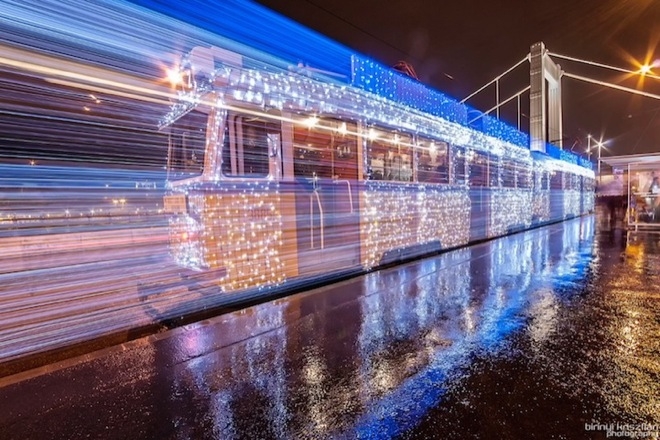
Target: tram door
478,165
325,168
556,195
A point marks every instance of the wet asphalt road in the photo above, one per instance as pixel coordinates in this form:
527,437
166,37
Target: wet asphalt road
551,333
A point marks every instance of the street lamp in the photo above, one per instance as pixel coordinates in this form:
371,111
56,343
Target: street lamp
589,147
647,69
600,146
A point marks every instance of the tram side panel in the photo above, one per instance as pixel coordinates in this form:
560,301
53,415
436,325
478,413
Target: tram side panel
402,221
511,210
511,198
244,234
445,215
540,194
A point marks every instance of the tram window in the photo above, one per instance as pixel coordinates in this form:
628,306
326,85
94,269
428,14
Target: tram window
459,165
312,151
187,146
389,155
493,171
478,169
247,143
325,148
344,150
433,165
508,174
556,178
588,184
545,181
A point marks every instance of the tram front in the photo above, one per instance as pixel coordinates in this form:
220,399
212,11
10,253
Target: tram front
223,178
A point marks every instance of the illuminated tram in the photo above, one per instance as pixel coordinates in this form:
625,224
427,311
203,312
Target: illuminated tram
275,175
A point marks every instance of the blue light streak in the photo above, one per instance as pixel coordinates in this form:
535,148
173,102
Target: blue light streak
243,22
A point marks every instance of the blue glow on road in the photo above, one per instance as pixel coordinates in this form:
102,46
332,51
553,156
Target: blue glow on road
509,306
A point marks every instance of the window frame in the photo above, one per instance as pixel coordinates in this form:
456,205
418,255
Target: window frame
439,174
234,142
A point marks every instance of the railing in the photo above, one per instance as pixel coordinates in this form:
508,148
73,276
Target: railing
311,218
350,194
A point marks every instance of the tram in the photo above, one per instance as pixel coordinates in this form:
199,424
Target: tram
276,175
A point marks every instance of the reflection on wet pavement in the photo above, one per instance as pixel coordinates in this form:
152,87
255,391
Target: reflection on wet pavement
586,364
551,333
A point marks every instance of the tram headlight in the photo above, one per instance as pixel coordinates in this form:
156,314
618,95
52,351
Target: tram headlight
189,236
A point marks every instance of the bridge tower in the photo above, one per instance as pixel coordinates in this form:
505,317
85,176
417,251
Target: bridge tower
544,99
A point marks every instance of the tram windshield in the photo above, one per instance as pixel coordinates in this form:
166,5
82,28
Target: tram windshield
187,146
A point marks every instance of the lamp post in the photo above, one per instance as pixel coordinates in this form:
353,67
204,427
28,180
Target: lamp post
589,147
600,146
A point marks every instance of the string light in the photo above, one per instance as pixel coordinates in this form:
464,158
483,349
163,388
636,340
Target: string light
396,218
238,226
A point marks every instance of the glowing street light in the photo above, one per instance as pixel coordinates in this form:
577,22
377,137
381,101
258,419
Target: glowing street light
646,69
589,146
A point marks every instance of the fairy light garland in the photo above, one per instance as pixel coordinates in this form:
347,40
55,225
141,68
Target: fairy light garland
245,232
396,217
186,250
509,207
541,195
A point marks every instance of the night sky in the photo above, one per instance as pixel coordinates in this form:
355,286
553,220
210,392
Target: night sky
457,47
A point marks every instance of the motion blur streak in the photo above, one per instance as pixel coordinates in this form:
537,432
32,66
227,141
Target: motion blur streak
82,73
130,200
367,358
81,170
